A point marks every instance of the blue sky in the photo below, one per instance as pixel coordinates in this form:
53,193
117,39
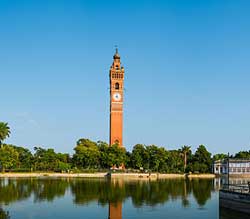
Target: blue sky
186,65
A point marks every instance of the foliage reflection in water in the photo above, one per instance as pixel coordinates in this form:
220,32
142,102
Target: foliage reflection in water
120,198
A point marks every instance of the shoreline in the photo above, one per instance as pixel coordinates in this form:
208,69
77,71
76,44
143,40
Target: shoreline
106,174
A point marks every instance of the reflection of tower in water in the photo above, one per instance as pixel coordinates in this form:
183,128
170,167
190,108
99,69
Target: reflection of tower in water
115,210
115,205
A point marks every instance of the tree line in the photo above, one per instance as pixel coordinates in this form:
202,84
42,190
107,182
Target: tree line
92,156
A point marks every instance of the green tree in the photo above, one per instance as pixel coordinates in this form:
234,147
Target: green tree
49,160
25,157
138,156
202,160
242,155
8,157
174,162
103,148
157,158
108,156
116,155
4,132
86,154
219,157
44,159
128,163
185,150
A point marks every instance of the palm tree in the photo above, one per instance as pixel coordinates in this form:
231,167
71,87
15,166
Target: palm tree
4,132
185,150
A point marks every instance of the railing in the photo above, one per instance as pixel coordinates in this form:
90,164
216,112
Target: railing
237,188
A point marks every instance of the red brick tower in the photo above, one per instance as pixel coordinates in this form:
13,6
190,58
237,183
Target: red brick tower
116,75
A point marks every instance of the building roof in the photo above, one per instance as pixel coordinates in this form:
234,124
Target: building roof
232,160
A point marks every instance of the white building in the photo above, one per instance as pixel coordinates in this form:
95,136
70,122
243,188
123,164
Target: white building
236,166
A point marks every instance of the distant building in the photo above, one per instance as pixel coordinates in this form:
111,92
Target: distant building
236,166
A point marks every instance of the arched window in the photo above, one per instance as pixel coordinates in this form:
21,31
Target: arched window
117,86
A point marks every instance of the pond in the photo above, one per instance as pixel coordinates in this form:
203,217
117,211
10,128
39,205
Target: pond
41,198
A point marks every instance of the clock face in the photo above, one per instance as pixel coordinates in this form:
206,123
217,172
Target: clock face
117,96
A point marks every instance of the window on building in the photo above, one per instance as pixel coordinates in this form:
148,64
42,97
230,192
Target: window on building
117,86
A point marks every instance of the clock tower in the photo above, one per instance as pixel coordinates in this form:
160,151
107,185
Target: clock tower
116,75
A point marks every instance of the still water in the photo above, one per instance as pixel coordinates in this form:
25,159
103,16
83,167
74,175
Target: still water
46,198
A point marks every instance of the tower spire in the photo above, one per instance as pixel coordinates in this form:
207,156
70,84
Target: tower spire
116,55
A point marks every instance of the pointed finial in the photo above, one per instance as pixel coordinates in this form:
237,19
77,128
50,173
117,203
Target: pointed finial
116,55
